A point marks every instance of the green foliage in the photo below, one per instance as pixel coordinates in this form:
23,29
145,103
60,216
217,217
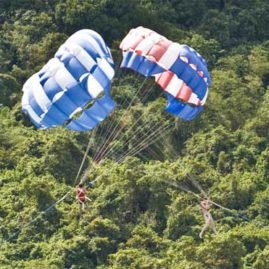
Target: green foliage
222,252
9,88
262,259
142,212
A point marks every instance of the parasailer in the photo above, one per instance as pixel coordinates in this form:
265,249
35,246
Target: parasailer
178,69
73,88
209,222
81,196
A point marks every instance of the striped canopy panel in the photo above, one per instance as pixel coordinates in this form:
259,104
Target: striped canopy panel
73,88
178,69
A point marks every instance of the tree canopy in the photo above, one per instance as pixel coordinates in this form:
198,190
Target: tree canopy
142,212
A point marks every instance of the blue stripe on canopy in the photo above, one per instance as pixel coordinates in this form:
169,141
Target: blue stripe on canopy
92,116
141,64
78,94
190,77
64,86
197,59
182,110
73,65
50,86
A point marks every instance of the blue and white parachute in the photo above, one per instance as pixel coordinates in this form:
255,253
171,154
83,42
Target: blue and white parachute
73,88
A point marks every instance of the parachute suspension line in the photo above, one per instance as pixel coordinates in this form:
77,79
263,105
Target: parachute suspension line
136,133
155,154
112,123
111,149
59,200
155,150
113,152
136,77
114,133
109,130
121,73
111,137
134,151
84,176
138,130
103,136
64,197
146,93
152,138
159,149
198,196
106,130
171,152
36,218
93,133
196,185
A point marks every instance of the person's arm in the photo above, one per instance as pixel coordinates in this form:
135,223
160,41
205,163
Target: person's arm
87,198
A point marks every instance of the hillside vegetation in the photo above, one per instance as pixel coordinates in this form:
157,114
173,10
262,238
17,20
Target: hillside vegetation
143,214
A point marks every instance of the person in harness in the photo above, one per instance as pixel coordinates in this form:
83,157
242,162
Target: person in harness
209,222
81,196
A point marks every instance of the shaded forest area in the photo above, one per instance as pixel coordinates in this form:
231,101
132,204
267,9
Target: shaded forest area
138,217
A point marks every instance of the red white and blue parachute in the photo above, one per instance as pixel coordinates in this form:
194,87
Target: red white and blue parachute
78,76
178,69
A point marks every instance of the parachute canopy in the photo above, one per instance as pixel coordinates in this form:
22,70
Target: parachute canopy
178,69
73,88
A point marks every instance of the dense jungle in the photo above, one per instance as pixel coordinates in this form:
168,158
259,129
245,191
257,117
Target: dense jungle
145,170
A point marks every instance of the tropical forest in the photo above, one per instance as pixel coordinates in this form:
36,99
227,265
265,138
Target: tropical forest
134,134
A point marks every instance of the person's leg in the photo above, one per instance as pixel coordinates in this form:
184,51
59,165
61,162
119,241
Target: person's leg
213,227
83,206
203,230
211,224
